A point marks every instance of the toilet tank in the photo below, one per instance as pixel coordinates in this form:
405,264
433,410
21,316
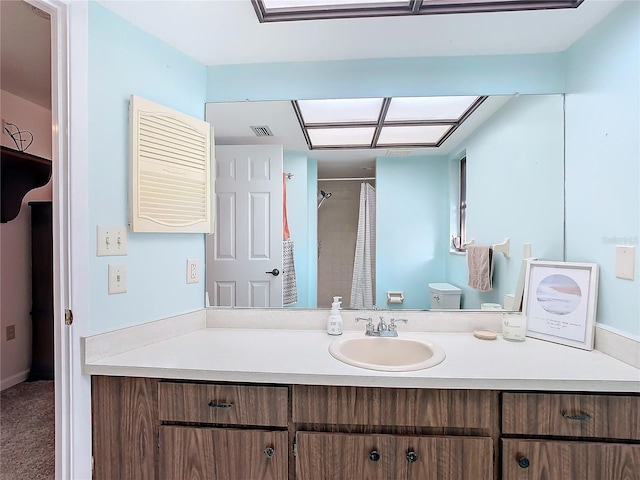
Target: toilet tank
445,296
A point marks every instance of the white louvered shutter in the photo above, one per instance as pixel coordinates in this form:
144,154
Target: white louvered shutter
171,176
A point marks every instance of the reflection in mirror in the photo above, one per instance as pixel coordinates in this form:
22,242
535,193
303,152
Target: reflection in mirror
514,151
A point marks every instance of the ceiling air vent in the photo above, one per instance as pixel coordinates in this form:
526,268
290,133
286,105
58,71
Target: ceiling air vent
399,152
262,131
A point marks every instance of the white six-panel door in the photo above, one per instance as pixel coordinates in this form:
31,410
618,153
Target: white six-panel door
247,243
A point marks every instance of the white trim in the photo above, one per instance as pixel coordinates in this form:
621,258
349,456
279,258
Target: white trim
79,253
619,345
69,109
59,148
14,380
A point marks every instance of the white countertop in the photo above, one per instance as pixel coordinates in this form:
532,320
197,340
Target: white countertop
291,356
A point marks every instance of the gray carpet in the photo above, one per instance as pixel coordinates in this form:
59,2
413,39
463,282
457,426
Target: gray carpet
27,431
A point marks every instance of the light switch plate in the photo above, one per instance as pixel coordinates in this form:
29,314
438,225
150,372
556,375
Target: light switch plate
625,261
112,241
117,279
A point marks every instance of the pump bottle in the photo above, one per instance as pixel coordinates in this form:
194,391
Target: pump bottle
334,322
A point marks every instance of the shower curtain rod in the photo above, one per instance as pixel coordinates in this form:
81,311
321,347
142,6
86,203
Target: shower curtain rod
344,179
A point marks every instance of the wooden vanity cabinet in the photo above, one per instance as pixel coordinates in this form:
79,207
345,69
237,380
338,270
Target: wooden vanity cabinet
572,436
149,429
146,429
392,457
224,443
394,434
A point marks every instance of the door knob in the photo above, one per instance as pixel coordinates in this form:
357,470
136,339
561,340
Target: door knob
374,456
275,272
412,456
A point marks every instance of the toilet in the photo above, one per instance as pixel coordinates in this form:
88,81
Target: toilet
445,296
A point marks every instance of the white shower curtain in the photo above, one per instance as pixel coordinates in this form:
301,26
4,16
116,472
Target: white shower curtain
364,264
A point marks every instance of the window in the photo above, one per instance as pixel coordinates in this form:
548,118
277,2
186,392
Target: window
462,205
291,10
459,239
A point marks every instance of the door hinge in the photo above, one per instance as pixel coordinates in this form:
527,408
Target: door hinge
295,448
68,316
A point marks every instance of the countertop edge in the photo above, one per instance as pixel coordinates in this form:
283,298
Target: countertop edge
595,386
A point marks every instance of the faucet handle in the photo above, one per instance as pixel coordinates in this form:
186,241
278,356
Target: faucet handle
369,326
392,326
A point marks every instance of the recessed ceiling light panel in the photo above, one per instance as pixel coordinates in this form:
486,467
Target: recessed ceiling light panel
340,137
428,108
292,10
344,110
414,135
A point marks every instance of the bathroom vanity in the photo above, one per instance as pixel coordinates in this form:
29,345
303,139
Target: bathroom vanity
226,403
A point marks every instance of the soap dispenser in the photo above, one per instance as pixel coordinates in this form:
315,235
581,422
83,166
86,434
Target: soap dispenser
334,322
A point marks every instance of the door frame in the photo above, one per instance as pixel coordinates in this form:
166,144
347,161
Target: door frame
69,112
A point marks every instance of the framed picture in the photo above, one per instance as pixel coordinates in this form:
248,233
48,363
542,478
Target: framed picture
560,300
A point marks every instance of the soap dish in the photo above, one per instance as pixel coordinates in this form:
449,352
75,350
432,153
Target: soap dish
485,334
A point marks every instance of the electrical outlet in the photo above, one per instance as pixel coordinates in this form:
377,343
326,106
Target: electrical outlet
193,274
11,332
117,279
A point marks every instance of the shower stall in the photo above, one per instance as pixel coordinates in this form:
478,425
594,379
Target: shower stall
338,213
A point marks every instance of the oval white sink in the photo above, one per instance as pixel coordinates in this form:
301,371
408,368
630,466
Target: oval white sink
391,354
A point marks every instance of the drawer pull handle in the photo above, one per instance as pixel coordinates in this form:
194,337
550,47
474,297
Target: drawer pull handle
523,462
580,416
374,456
412,456
269,452
214,404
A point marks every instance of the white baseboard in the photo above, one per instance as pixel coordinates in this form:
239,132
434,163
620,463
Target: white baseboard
14,380
618,345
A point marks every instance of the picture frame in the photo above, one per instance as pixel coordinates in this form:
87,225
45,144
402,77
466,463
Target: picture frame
560,302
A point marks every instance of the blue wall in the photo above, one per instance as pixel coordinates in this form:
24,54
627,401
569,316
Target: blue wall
602,157
412,227
312,221
599,75
487,75
515,189
123,60
297,214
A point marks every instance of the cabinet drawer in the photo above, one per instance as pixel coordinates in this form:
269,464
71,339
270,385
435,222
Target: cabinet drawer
222,453
543,459
571,415
223,404
395,406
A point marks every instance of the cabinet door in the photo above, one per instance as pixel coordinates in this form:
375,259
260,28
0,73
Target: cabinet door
444,458
341,456
546,460
193,453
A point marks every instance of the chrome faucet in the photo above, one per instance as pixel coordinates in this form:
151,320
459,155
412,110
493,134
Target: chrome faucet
382,325
382,329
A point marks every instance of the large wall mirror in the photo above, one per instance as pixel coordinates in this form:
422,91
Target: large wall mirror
514,151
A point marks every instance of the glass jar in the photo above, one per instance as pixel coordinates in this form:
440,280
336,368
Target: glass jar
514,327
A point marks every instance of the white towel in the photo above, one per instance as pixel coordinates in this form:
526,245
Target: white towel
289,287
480,263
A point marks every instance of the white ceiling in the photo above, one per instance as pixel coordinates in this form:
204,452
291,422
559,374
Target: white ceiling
220,32
25,52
